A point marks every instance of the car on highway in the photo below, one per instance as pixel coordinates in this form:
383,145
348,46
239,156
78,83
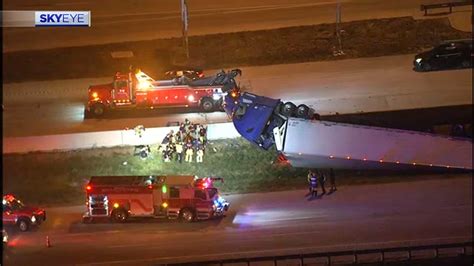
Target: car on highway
15,213
191,73
450,54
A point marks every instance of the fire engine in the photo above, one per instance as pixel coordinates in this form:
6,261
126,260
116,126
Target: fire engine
138,90
187,198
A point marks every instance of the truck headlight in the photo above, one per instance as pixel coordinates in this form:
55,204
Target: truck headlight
418,60
33,219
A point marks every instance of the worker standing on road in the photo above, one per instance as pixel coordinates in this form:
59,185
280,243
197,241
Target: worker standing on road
322,180
332,180
313,183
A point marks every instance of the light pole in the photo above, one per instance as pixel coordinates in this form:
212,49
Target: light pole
184,19
338,30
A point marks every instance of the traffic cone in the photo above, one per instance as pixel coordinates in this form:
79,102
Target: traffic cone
48,243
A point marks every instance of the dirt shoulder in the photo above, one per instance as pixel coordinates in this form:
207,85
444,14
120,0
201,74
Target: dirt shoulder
367,38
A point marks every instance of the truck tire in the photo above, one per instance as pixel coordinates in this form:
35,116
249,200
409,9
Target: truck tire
119,216
186,215
302,111
207,104
98,110
288,109
23,224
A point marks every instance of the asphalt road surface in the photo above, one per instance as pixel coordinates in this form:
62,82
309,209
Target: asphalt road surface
366,216
343,86
131,20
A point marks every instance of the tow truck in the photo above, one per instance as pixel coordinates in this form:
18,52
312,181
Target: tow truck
303,140
136,89
18,214
187,198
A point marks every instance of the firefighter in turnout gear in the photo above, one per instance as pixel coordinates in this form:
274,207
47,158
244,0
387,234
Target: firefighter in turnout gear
189,152
179,151
199,155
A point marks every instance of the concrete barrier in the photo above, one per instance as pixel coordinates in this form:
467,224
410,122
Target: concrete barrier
104,139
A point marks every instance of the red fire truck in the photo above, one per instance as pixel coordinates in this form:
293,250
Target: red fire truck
138,90
188,198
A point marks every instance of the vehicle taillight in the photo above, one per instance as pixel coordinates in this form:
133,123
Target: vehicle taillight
201,75
88,188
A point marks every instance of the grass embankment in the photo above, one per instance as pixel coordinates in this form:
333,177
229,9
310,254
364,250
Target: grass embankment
368,38
59,178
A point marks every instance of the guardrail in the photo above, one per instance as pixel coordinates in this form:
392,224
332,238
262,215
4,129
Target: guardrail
449,5
105,139
330,255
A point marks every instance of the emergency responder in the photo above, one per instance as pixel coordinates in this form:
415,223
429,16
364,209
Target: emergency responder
179,151
199,155
182,130
143,151
332,180
139,130
166,153
202,134
187,122
172,137
189,152
163,147
322,180
313,183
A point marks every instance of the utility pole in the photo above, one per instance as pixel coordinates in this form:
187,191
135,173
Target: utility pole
184,19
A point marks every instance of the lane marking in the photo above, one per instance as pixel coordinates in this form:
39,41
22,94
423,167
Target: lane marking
200,240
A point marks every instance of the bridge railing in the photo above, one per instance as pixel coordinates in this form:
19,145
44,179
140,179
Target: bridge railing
462,249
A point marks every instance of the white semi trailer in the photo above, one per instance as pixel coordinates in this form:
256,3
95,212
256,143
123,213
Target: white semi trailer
315,143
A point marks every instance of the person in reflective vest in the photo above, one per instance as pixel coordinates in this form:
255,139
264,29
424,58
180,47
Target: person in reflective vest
313,183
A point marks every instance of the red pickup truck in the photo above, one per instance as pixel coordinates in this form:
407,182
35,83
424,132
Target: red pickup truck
17,214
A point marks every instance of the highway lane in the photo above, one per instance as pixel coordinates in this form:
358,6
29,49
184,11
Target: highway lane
342,86
384,215
132,20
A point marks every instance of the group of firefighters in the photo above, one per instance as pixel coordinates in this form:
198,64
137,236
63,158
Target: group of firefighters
318,177
189,140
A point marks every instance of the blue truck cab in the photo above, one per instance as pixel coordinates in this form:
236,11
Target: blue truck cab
254,116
